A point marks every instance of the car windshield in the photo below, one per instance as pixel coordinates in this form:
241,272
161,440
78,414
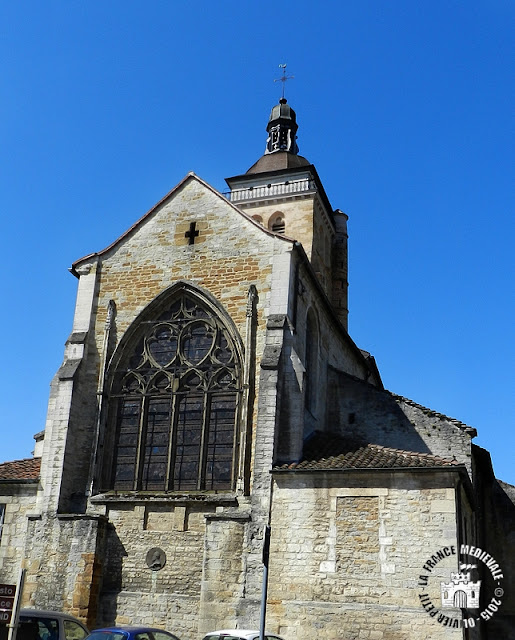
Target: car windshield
107,635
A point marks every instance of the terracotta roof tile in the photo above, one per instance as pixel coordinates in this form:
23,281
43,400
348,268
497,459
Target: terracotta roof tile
326,451
26,469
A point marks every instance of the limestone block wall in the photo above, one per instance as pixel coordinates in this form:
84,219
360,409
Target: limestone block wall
340,283
230,254
18,501
443,436
63,446
224,574
203,578
64,564
336,348
373,415
333,349
65,441
345,561
307,222
297,215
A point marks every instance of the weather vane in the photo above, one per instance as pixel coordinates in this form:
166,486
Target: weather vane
284,78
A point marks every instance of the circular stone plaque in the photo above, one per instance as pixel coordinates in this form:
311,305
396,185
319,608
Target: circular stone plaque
156,559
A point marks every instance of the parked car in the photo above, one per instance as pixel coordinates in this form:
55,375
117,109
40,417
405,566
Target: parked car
47,625
239,634
131,633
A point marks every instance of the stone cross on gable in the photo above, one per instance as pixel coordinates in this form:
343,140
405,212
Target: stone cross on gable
192,233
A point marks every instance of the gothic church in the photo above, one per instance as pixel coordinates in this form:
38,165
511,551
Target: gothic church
210,389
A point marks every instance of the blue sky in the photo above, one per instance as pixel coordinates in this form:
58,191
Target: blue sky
405,108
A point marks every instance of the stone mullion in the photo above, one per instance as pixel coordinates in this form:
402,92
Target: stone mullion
174,400
201,481
139,451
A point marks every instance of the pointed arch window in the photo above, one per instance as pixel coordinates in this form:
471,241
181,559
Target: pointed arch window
174,402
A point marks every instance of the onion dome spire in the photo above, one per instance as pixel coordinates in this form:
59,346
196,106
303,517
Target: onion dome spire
282,129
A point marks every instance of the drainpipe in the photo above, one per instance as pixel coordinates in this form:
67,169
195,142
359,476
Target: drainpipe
266,557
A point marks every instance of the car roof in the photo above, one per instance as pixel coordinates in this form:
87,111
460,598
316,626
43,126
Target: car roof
129,629
239,633
42,613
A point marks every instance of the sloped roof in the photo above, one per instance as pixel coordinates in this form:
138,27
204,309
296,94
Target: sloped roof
26,469
509,489
325,451
278,161
434,414
190,176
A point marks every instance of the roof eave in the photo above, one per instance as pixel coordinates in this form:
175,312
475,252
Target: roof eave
271,174
452,467
190,175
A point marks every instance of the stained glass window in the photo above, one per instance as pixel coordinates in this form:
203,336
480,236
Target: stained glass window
174,402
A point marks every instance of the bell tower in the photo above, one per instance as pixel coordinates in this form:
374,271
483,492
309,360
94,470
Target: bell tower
282,191
282,129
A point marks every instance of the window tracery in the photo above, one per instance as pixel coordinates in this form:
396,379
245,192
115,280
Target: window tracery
174,402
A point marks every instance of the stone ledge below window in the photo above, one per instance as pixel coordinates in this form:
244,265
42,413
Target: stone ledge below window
143,497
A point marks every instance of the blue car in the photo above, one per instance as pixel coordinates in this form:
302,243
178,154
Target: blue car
130,633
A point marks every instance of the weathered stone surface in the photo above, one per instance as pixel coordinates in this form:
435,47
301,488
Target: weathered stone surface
347,545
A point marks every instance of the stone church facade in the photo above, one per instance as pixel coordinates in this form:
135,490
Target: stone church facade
210,389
